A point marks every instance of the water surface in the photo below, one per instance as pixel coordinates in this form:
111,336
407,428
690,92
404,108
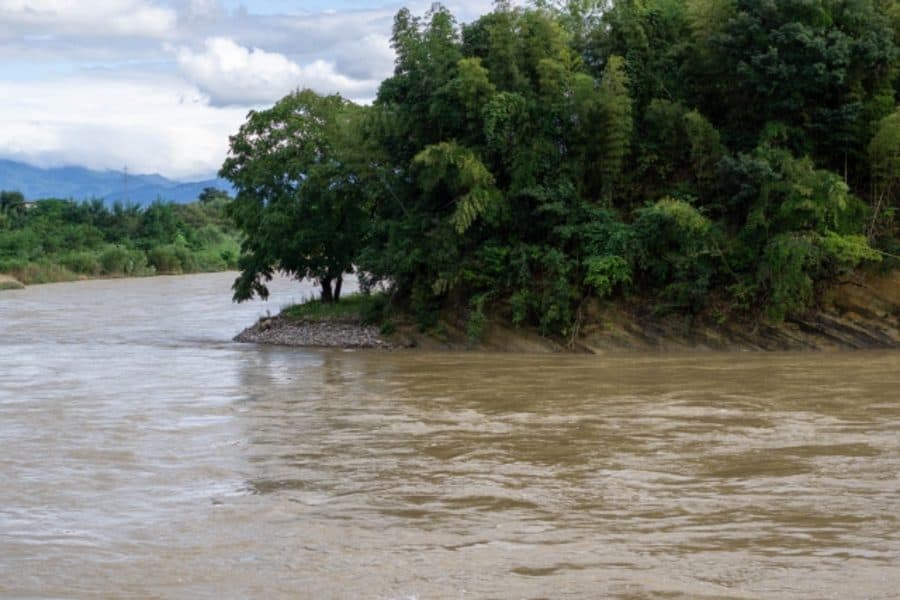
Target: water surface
146,456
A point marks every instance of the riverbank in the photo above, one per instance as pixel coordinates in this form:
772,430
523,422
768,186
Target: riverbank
58,241
57,274
860,313
347,324
282,331
10,283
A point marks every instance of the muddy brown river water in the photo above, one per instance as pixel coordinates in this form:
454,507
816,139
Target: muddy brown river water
143,455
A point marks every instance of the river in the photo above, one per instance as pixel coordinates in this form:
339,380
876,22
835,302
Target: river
144,455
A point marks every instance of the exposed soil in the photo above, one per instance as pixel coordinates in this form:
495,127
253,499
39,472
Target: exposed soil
860,313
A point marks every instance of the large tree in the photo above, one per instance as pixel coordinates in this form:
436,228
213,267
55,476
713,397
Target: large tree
297,202
12,206
12,203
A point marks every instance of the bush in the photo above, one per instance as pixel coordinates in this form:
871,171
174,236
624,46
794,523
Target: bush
678,252
187,259
846,252
116,260
477,318
84,263
11,265
23,244
165,259
208,235
788,264
605,273
217,257
545,291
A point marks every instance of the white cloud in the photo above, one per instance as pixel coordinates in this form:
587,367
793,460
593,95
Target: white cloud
196,13
205,8
159,85
151,126
236,75
368,56
101,18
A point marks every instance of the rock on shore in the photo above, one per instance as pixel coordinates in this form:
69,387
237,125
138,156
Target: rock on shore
321,334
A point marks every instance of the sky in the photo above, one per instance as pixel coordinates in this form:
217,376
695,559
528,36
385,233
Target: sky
157,86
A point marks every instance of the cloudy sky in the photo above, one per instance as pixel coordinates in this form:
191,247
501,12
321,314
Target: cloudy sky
159,85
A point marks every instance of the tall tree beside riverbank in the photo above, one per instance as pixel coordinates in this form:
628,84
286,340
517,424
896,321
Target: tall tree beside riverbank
540,157
298,203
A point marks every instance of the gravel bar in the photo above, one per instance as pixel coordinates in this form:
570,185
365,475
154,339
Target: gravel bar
319,334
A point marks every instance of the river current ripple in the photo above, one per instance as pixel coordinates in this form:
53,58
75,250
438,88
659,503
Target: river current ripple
144,455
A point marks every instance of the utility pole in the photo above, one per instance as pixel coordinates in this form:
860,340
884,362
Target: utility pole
125,185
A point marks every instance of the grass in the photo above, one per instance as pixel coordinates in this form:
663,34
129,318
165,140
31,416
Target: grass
116,261
356,308
43,272
10,283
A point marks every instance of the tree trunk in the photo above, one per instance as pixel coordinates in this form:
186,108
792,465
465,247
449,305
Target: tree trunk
327,296
338,282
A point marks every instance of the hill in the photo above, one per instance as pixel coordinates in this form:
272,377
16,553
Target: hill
79,183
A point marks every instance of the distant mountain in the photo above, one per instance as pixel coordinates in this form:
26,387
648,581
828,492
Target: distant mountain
84,184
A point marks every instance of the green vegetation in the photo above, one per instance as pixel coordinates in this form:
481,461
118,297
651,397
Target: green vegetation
62,240
8,283
299,207
357,308
736,151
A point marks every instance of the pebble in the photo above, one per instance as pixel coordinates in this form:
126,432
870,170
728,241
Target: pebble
321,334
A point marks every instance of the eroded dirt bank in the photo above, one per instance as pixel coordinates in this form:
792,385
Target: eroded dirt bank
862,312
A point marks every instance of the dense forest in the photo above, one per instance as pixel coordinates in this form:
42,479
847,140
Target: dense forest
693,153
60,240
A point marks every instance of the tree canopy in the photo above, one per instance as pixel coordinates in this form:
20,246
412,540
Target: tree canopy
298,202
541,156
59,240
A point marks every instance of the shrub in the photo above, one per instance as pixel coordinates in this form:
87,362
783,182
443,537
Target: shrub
117,260
788,263
605,273
678,251
84,263
477,318
165,259
114,260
